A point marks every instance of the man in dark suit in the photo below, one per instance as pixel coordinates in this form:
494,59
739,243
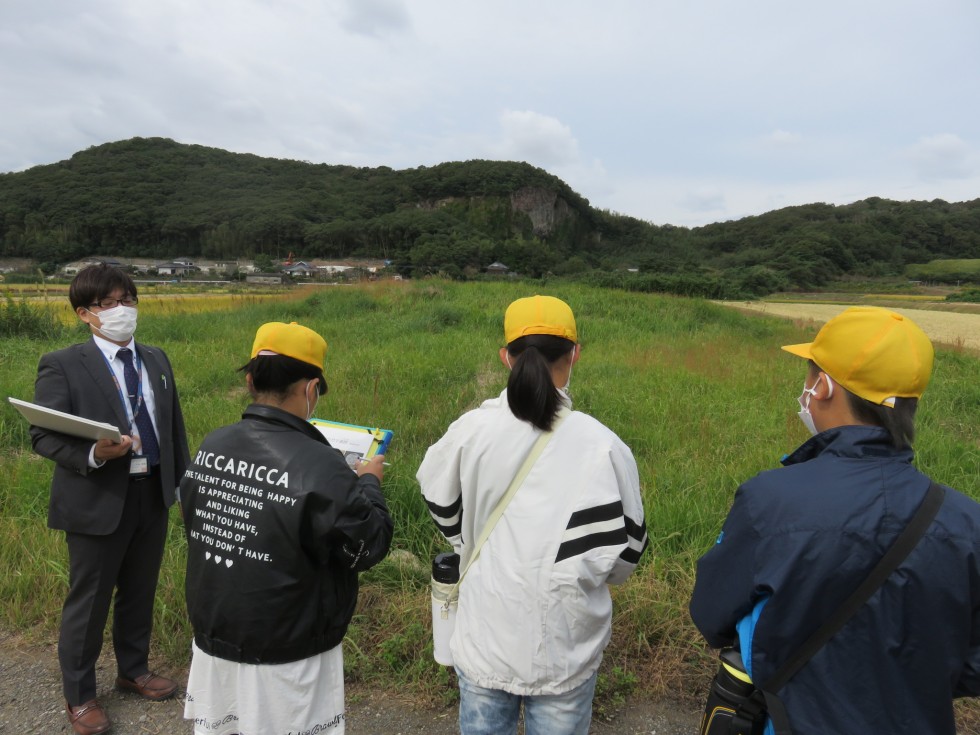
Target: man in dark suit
110,498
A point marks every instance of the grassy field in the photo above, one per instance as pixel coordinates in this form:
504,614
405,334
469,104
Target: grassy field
701,393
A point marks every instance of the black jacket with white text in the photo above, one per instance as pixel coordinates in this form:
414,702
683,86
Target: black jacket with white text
278,526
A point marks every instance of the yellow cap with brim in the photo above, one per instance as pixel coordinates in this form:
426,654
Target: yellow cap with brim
292,340
539,315
875,353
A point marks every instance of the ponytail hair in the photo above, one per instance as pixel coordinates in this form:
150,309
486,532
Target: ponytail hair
531,392
897,420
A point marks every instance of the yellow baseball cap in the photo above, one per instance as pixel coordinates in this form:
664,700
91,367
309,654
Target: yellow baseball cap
539,315
292,340
873,352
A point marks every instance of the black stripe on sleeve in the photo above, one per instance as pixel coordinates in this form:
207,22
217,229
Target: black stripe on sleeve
636,530
631,555
597,514
638,535
449,531
581,545
443,513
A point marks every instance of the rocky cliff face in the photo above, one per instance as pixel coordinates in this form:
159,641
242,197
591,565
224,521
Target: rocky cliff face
543,207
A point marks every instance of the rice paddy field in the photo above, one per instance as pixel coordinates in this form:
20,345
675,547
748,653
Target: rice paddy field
159,300
700,392
958,329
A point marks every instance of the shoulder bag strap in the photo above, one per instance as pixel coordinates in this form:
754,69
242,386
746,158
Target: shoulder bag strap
536,449
895,555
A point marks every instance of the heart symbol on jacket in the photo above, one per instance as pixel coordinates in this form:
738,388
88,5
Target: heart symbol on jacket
207,554
217,559
229,562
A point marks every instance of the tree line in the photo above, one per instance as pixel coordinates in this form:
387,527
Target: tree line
156,198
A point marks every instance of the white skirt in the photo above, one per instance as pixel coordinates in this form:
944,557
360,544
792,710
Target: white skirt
299,698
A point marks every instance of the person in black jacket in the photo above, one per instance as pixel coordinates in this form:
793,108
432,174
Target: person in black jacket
800,539
278,527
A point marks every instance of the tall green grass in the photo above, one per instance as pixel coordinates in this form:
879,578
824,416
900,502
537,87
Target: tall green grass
702,395
19,318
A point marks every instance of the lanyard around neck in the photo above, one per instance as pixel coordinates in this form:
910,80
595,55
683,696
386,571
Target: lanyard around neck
127,400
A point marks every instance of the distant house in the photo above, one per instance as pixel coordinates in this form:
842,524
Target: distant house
175,268
265,279
333,268
221,267
72,268
497,268
300,269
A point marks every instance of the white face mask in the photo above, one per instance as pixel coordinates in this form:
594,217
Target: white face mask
805,416
564,388
309,410
118,323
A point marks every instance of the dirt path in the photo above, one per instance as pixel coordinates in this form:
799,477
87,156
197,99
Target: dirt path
943,327
31,702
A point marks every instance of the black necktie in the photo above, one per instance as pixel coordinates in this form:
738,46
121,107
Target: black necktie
141,415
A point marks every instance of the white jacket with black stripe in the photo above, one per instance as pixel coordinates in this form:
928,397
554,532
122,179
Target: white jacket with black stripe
534,609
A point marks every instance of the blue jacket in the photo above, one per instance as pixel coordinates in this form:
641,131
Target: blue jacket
803,537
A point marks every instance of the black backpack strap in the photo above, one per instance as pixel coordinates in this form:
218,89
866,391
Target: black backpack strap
777,713
895,555
749,717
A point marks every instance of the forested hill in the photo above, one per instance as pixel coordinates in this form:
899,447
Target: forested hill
153,197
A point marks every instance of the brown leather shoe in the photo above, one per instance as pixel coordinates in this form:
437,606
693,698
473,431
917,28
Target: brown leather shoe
148,686
88,718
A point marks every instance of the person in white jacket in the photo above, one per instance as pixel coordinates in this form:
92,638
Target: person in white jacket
535,611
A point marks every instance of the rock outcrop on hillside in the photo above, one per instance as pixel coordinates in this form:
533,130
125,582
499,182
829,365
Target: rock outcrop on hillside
543,206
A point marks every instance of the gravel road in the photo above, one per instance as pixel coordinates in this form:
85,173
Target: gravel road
31,702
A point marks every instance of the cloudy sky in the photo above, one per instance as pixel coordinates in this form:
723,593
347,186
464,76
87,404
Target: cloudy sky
674,111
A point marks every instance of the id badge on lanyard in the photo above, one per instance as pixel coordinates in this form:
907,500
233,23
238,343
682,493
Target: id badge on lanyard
139,464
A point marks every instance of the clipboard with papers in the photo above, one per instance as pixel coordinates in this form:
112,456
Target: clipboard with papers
65,423
354,442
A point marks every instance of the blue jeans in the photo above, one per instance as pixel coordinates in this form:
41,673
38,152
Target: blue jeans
495,712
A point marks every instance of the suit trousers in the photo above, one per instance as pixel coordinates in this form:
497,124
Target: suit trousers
126,561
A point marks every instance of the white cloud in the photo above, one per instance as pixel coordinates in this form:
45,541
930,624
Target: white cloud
651,111
943,156
375,18
703,201
783,137
539,139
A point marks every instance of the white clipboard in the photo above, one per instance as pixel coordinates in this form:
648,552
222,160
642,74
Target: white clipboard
354,442
66,423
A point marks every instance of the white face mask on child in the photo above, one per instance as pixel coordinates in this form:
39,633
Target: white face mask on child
805,416
564,388
309,409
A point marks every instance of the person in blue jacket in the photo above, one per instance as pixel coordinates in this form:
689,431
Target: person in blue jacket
799,539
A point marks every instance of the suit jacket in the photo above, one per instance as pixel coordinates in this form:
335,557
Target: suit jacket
78,381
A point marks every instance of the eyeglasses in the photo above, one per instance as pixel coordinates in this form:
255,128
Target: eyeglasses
113,303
